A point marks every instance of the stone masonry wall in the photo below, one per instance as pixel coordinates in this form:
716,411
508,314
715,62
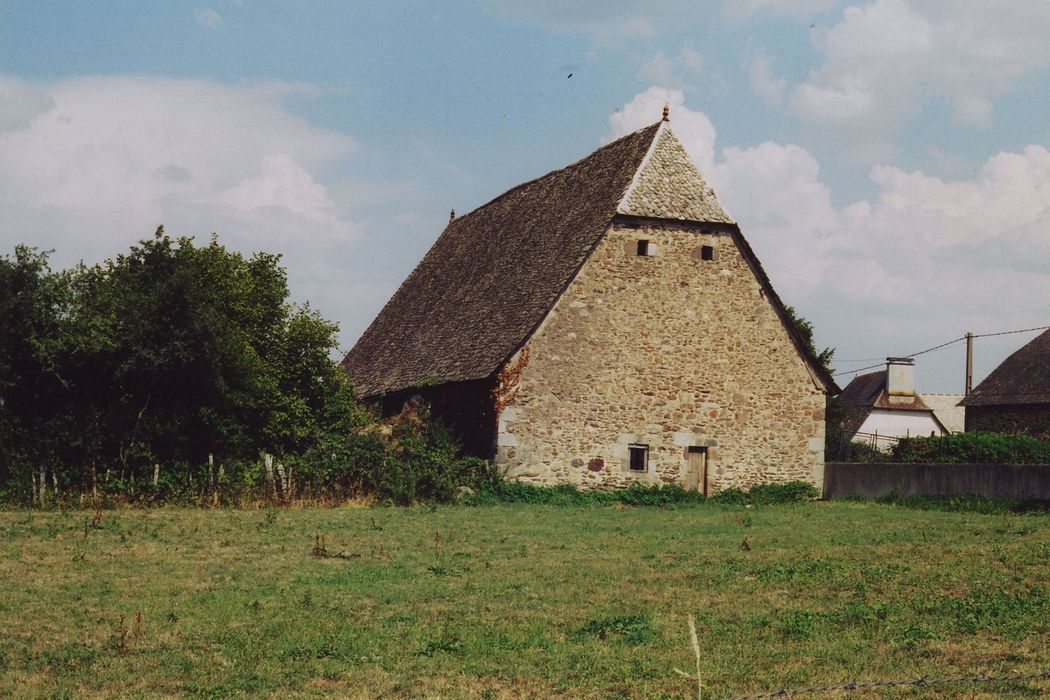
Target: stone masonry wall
1031,419
670,351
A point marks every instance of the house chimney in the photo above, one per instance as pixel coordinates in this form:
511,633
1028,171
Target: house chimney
900,376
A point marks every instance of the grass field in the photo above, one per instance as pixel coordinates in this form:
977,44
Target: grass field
519,601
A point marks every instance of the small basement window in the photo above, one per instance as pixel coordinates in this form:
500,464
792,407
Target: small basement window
707,252
646,248
638,458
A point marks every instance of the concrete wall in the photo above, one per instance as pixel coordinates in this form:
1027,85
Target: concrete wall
1027,481
670,351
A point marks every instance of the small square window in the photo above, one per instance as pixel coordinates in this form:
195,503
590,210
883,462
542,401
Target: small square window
707,252
643,247
638,458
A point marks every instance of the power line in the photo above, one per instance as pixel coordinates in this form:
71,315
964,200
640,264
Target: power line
914,354
938,347
1023,330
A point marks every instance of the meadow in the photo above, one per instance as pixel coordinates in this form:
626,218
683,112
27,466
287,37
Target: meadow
519,600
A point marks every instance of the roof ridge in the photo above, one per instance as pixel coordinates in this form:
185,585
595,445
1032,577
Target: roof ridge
521,185
660,127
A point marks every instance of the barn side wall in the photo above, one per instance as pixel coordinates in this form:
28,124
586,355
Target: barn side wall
1031,419
669,351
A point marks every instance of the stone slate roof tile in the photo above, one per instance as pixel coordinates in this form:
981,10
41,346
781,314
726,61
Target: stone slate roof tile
670,186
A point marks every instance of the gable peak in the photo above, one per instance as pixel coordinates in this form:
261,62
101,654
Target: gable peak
668,185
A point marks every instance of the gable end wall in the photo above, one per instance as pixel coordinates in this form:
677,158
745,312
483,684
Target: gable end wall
670,351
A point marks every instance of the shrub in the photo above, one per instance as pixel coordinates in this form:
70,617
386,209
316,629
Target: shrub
972,448
767,494
422,462
638,495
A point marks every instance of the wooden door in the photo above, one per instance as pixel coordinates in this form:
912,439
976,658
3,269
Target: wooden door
696,475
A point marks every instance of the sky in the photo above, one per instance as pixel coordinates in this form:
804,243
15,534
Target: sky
888,160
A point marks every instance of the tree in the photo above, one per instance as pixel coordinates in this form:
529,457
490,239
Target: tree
34,430
805,330
166,355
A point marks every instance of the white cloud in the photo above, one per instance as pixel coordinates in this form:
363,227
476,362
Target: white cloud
110,158
675,71
208,18
887,60
20,103
764,84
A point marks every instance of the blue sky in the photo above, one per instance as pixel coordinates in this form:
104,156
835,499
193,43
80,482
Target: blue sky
887,160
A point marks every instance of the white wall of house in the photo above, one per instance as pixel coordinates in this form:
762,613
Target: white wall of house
899,424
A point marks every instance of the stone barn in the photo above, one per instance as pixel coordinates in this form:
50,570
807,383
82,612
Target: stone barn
601,325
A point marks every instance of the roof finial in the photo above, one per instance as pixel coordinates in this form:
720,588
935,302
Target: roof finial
667,112
452,216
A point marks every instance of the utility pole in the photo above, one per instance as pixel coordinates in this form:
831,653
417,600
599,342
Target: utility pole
969,362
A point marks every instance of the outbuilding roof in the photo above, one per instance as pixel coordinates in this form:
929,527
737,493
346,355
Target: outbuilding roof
1022,378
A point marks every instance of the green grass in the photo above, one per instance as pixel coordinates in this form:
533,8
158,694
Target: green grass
519,600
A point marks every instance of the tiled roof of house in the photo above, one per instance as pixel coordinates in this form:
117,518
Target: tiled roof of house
858,398
867,392
493,274
1022,378
947,410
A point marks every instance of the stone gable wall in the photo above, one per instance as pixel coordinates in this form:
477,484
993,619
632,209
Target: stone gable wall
670,351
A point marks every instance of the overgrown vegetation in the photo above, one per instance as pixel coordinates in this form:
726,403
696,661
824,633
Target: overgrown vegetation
182,373
518,600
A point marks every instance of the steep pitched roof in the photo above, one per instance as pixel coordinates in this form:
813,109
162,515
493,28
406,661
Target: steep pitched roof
1022,378
495,273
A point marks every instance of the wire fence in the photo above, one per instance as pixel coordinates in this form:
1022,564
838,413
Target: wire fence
1043,675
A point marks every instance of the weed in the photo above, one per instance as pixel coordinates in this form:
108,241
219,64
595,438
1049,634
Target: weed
269,519
442,570
320,550
696,653
634,628
125,635
446,643
799,624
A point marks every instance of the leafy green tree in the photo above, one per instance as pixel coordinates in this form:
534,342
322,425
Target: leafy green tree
34,429
805,329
